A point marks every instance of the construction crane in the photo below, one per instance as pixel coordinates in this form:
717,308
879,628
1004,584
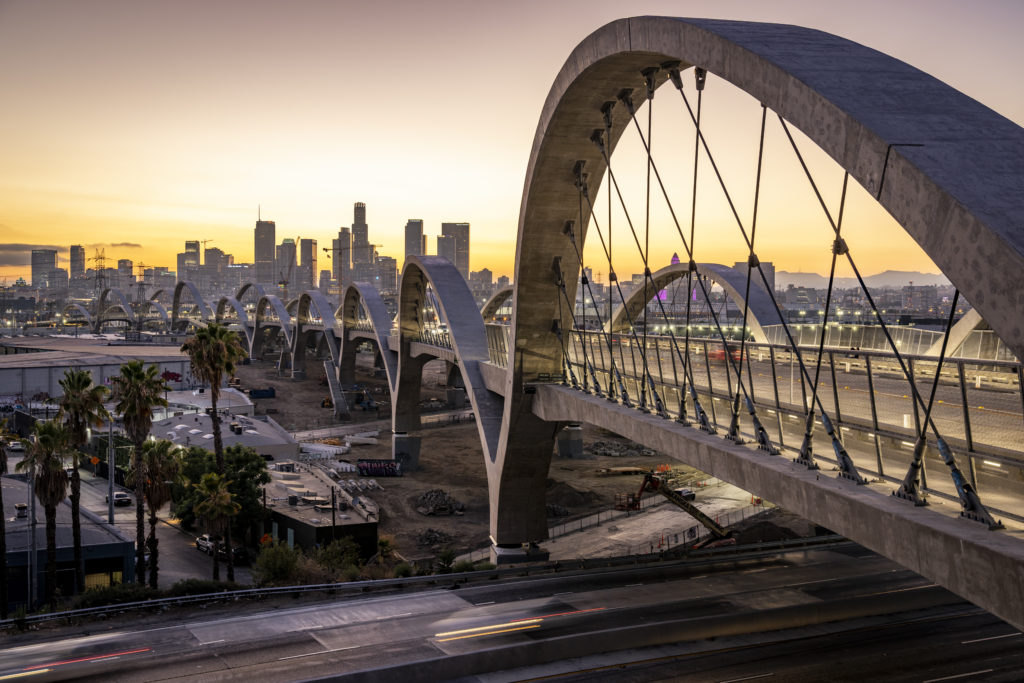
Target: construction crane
719,535
203,242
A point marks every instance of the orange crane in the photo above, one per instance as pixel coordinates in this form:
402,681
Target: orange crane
719,535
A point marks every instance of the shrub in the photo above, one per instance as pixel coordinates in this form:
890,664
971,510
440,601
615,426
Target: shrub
463,566
403,570
338,554
445,560
115,595
351,573
276,564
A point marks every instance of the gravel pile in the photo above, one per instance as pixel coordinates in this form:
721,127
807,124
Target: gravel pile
433,537
618,450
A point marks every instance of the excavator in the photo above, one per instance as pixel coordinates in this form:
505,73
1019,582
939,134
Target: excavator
719,536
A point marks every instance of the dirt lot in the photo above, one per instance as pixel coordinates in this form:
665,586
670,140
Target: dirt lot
452,462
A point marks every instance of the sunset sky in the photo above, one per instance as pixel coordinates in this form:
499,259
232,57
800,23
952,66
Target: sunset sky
137,125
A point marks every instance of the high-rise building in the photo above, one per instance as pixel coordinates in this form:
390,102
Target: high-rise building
414,238
57,279
124,268
447,247
307,266
284,263
460,231
43,261
387,269
77,260
341,258
263,252
192,247
325,281
362,255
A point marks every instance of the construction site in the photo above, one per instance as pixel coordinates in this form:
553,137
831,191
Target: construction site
643,500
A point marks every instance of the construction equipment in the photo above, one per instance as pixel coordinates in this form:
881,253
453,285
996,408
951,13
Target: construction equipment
719,535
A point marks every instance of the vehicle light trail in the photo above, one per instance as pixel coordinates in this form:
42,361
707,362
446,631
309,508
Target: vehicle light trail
87,659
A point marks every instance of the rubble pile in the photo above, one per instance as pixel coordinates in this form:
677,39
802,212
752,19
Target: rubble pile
433,537
557,510
437,501
614,449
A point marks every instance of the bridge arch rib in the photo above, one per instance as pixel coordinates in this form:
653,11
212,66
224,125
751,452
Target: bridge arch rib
762,311
957,197
494,304
469,341
81,311
206,315
363,295
243,316
120,302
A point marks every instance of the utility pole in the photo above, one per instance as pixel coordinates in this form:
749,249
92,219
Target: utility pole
111,471
32,537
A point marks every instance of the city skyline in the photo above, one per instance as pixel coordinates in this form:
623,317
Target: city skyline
152,152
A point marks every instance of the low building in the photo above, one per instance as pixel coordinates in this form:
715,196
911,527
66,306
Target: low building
108,553
263,435
308,508
231,401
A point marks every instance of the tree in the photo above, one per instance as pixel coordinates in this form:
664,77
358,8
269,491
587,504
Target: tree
138,390
160,467
249,474
213,352
81,407
217,506
44,460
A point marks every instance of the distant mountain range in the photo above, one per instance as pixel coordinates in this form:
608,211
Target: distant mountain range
889,278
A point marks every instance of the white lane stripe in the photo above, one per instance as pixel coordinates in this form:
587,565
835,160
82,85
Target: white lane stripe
322,652
981,640
950,678
747,678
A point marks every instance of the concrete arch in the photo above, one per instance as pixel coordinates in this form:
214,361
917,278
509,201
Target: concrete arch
120,301
734,282
255,287
956,195
494,304
81,311
155,296
313,301
284,320
239,309
206,315
469,340
362,295
161,311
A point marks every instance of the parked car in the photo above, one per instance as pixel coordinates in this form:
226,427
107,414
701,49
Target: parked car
207,543
686,494
15,447
121,498
240,555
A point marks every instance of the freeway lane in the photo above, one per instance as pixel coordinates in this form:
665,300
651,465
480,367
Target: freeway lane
369,632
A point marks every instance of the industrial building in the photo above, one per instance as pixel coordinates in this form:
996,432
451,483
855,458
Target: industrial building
263,435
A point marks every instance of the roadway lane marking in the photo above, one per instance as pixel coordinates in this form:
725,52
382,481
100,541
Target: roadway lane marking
394,616
747,678
213,642
950,678
489,633
112,655
555,595
23,674
322,652
981,640
480,604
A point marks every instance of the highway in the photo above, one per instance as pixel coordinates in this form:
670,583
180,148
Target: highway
635,616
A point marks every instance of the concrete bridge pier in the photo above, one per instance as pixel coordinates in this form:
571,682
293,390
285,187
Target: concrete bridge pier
570,441
405,449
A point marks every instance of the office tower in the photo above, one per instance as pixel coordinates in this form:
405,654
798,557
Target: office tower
57,279
307,266
215,259
446,247
503,282
192,247
341,258
414,238
263,252
77,260
124,268
460,231
284,263
325,281
362,255
387,269
43,261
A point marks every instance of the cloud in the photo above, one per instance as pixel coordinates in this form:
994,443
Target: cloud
17,254
115,245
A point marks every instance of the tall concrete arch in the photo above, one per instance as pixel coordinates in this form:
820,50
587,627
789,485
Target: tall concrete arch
957,195
264,327
761,310
243,316
79,309
120,301
205,314
310,304
363,296
163,317
469,340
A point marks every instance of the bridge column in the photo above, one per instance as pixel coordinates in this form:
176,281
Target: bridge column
570,441
405,449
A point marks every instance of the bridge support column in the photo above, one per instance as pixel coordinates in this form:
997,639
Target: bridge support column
517,554
405,449
570,441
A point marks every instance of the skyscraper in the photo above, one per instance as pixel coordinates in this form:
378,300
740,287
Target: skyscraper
307,272
263,252
362,252
43,261
284,263
387,269
446,247
341,255
413,237
460,231
77,260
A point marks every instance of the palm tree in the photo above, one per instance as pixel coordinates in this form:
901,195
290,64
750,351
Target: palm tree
159,467
217,506
81,407
138,390
44,459
5,437
213,352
